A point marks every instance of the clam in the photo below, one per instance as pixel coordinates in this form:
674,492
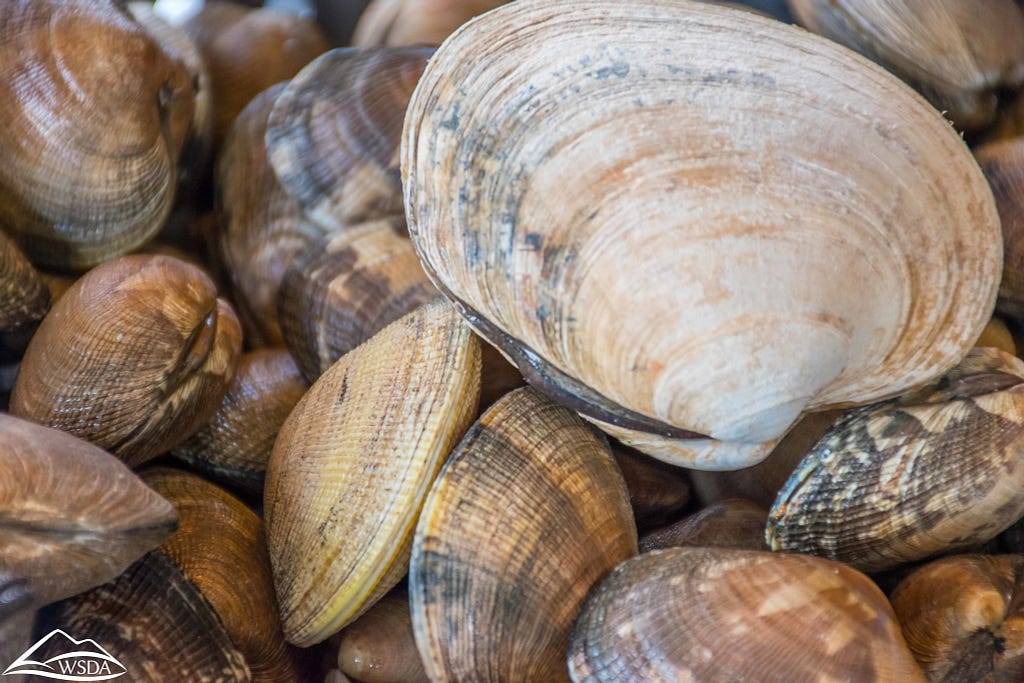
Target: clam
960,58
414,22
729,523
353,463
346,289
658,211
93,118
379,647
714,614
936,471
657,492
24,296
334,133
155,622
247,51
527,515
71,516
997,335
263,226
1003,164
134,358
221,549
17,614
235,444
963,618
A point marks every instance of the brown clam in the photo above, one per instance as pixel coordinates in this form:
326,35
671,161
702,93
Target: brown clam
379,647
714,614
528,514
235,444
154,622
657,209
24,296
963,618
936,471
247,51
1003,165
347,288
263,227
657,492
354,461
134,358
957,56
334,133
729,523
415,22
71,515
221,549
93,116
17,615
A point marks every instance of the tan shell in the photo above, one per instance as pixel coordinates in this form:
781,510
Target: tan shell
729,523
263,227
415,22
334,133
1003,164
712,614
379,647
963,620
353,464
998,336
248,50
528,514
236,443
93,117
936,471
71,516
154,622
220,547
134,358
959,54
345,289
657,210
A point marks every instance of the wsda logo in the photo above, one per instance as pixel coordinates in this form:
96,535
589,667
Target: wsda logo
72,660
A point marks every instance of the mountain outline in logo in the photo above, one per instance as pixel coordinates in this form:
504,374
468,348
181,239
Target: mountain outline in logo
89,663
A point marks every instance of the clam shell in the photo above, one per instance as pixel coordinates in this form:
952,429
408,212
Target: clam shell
729,523
71,516
155,623
334,133
236,443
960,58
379,647
345,289
353,463
1003,165
263,227
24,297
963,619
528,514
659,209
93,117
221,549
414,22
713,614
134,358
17,614
934,472
657,492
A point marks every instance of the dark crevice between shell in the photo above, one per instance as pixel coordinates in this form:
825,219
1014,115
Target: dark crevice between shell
559,386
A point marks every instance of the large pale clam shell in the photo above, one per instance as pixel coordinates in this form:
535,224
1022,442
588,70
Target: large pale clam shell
696,217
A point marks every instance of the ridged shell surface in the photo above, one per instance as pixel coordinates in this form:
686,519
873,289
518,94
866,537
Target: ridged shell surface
528,514
354,461
696,217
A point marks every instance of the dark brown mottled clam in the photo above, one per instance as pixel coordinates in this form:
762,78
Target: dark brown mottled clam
719,615
963,618
134,358
528,514
935,471
71,516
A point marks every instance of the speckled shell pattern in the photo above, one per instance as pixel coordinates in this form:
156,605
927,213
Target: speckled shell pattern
719,615
687,221
528,514
933,472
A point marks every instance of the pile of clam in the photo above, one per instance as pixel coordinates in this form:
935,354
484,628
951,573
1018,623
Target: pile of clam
545,340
